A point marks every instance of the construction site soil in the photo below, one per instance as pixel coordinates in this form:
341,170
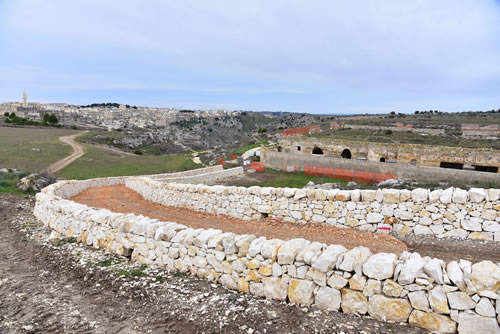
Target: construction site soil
119,198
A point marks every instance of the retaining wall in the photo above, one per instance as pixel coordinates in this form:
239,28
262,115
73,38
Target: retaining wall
277,160
425,292
399,129
212,174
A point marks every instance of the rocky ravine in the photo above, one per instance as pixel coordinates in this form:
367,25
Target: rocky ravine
65,287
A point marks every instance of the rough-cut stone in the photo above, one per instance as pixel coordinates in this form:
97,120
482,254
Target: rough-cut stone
434,270
485,308
310,252
438,300
374,217
422,230
354,302
419,195
368,195
460,301
411,269
418,300
275,288
486,276
301,291
446,195
372,287
475,324
289,250
354,259
471,225
380,266
433,322
337,281
459,196
455,274
391,196
328,299
357,282
477,195
461,234
256,246
270,248
392,289
328,259
389,309
229,282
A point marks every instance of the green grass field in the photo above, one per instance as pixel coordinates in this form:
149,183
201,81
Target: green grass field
8,184
98,162
30,149
280,179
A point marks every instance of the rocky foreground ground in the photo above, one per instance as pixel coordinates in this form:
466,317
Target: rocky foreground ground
64,287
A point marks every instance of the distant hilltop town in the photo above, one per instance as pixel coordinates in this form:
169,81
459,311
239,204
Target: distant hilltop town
109,115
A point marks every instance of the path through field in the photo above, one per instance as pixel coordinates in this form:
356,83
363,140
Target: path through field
77,153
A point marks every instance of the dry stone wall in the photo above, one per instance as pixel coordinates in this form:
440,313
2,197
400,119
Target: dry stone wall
453,212
423,291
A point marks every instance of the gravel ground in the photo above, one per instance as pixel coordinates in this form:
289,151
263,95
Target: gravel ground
65,287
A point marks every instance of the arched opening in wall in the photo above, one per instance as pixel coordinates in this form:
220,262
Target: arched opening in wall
413,162
382,159
280,149
451,165
346,154
317,150
299,148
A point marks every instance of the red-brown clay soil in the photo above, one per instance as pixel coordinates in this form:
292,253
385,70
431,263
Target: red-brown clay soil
122,199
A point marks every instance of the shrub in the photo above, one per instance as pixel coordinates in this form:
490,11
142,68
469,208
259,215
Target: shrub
138,152
74,127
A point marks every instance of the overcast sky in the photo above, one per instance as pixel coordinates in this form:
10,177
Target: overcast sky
319,56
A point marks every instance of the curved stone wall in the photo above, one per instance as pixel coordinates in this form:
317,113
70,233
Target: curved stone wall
425,292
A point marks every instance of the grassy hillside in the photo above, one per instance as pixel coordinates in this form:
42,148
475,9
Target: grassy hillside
30,149
98,162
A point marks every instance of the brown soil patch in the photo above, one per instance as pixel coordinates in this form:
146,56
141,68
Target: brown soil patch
122,199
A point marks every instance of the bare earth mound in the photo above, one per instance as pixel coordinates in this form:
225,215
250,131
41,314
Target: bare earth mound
122,199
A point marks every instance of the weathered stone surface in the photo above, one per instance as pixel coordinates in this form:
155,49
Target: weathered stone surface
438,300
434,270
471,225
256,246
270,248
229,282
310,252
275,288
460,301
422,230
357,282
419,195
433,322
337,281
418,300
289,250
477,195
486,276
301,291
411,269
461,234
389,309
374,217
446,196
328,259
475,324
372,287
368,195
354,259
485,308
354,302
328,299
392,289
459,196
391,196
380,266
455,274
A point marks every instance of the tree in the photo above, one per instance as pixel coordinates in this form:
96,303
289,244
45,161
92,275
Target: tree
50,118
6,114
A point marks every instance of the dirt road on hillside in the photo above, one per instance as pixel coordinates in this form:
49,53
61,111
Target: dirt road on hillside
70,288
77,152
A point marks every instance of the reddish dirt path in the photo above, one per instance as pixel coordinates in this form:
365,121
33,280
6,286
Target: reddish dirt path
122,199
